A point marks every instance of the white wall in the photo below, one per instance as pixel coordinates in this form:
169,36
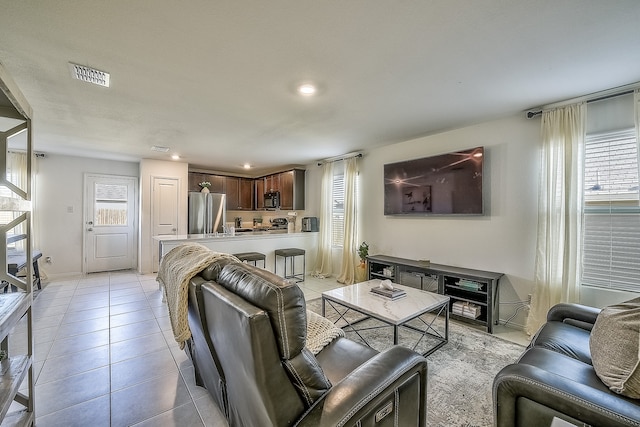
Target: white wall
503,240
58,207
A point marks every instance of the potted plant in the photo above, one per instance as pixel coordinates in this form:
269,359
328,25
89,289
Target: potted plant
205,186
363,252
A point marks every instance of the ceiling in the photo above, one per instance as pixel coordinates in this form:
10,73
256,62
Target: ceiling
215,80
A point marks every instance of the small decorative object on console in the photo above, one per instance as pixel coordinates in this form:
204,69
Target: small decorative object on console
387,290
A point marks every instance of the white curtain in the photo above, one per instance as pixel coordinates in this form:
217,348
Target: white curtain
349,255
560,201
323,259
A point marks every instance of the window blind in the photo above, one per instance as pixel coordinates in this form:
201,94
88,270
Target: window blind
337,211
611,235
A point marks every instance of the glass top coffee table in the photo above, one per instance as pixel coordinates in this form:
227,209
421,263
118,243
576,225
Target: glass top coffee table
396,313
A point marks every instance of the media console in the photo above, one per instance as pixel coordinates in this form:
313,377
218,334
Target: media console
466,287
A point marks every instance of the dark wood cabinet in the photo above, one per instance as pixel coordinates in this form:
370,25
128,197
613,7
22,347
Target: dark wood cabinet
292,189
196,178
272,183
259,186
239,193
217,182
246,193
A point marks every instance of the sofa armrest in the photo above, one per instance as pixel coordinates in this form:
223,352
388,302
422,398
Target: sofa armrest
578,315
526,392
391,384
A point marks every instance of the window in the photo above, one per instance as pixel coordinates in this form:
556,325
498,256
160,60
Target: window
337,211
337,207
611,239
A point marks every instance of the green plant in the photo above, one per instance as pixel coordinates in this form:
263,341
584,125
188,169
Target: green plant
205,184
363,251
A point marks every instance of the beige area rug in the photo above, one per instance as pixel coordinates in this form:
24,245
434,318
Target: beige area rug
460,373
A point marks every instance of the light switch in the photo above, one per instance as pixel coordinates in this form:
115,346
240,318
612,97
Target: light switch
69,209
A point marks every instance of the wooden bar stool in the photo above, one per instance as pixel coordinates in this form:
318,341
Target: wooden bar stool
291,253
253,257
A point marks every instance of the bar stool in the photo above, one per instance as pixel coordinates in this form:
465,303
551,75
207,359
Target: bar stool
253,257
291,253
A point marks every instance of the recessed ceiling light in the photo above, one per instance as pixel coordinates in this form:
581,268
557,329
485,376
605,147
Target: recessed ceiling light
175,157
307,89
90,75
247,166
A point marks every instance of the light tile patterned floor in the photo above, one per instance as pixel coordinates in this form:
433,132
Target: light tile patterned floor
105,355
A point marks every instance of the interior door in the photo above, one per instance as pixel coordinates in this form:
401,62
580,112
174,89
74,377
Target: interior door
110,223
164,213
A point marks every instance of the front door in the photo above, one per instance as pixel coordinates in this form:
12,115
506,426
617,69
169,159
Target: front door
110,223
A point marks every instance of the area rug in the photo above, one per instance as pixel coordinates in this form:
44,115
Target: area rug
460,373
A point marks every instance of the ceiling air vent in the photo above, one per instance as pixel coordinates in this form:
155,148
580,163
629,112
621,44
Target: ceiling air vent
89,75
159,148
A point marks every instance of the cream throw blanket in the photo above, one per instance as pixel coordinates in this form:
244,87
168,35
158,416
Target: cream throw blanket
320,332
177,268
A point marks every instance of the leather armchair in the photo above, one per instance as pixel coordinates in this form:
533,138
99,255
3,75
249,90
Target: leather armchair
255,324
555,378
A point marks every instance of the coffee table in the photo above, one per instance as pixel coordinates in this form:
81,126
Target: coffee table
396,313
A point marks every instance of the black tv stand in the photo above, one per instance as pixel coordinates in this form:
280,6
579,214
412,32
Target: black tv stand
464,285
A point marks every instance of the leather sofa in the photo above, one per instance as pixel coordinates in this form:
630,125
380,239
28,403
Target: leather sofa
555,377
248,349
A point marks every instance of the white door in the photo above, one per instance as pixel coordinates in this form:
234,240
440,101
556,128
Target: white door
164,210
110,223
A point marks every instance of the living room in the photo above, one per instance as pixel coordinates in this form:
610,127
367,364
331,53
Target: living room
503,239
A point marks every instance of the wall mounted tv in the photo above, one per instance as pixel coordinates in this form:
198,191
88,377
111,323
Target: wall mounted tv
447,184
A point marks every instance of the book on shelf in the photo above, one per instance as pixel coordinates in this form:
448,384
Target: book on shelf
388,293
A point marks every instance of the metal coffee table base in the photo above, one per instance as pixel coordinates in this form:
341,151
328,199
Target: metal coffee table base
428,330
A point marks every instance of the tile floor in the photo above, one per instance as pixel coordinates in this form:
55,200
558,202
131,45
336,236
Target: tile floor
105,355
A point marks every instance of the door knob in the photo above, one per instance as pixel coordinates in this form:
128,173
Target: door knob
90,229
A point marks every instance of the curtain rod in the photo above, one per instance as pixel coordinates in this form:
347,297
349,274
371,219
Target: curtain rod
598,96
337,159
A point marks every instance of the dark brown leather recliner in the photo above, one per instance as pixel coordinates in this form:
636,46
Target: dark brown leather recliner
248,348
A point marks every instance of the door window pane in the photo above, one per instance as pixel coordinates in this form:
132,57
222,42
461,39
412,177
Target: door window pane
110,204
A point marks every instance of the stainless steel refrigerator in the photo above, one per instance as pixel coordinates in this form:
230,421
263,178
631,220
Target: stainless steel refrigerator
207,212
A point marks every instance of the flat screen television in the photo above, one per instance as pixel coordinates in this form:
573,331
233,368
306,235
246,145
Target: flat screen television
447,184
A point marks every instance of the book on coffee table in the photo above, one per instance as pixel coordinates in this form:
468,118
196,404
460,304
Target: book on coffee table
392,294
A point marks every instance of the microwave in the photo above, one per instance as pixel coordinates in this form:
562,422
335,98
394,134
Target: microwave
272,200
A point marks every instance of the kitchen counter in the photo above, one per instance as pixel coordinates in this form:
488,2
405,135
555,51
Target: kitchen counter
265,242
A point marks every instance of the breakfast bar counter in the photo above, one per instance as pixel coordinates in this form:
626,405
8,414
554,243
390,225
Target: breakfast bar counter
265,242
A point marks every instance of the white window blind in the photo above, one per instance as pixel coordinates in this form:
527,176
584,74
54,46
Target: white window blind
611,239
337,211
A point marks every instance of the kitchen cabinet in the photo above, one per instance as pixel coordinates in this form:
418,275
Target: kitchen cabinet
292,189
195,178
239,193
259,186
217,182
272,183
464,286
